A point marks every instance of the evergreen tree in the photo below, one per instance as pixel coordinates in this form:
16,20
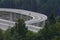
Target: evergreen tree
1,34
58,19
19,30
52,19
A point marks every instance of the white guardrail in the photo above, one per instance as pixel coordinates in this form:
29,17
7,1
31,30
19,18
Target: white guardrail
37,17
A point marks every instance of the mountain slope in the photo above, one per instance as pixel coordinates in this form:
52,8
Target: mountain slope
43,6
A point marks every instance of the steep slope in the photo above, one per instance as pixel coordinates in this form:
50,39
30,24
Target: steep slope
43,6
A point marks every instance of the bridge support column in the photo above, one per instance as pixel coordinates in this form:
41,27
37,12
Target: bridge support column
11,17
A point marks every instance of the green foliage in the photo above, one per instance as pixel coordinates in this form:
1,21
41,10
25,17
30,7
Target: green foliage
7,35
56,38
58,19
19,30
1,35
50,32
30,35
52,19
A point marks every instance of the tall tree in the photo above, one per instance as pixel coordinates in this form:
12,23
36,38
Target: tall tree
1,34
52,19
58,19
19,30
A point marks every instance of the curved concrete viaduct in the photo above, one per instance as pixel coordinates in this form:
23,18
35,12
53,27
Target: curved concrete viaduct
35,24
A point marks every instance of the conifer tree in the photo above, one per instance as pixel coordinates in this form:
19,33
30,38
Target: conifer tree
52,19
1,34
19,30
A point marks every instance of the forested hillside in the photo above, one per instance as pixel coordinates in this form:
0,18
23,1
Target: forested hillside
43,6
19,31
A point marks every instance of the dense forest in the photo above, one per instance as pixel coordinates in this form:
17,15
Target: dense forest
19,31
42,6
